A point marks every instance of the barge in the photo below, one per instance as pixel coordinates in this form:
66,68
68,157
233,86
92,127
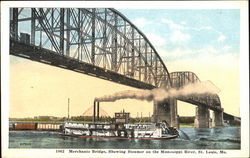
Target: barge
120,128
18,126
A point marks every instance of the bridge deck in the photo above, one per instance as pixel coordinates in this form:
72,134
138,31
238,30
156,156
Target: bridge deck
46,56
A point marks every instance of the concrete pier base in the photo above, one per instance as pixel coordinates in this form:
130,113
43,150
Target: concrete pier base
217,119
202,117
166,111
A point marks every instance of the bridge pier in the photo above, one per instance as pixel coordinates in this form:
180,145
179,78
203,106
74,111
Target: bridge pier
202,117
167,111
217,118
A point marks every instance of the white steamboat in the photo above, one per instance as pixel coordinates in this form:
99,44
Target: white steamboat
120,129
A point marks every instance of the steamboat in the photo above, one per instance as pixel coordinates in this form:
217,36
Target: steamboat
120,128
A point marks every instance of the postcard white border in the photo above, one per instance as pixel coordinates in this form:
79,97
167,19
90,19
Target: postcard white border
244,67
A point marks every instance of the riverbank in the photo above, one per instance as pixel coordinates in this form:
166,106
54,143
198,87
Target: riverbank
186,124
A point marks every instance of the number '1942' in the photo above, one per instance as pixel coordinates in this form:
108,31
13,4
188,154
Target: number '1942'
59,151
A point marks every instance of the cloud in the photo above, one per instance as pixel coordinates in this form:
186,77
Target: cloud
173,25
208,51
221,38
178,36
155,39
203,28
176,53
183,22
226,48
141,22
182,26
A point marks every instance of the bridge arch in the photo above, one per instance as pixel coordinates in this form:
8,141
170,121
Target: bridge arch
99,38
100,42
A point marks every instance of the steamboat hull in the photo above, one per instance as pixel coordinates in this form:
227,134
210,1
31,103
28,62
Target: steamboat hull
124,138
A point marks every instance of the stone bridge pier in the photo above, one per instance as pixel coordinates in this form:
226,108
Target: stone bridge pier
217,118
166,111
202,117
203,120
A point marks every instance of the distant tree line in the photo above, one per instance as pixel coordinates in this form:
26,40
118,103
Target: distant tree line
183,119
186,119
90,118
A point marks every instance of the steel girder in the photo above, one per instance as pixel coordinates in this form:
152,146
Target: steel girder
180,79
97,36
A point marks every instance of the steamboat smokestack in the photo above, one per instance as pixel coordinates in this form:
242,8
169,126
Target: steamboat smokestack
94,111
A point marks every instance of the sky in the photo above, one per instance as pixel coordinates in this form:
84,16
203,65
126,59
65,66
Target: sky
184,34
205,42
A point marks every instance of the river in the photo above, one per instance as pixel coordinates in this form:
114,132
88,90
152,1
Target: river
190,138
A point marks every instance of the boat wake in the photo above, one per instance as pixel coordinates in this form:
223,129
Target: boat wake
183,135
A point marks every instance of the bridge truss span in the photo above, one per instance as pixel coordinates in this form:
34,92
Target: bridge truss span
102,42
183,78
96,40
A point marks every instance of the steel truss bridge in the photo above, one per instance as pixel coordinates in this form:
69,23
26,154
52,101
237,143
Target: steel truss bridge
180,79
99,42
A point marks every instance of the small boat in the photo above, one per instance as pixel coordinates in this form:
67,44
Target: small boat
146,131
